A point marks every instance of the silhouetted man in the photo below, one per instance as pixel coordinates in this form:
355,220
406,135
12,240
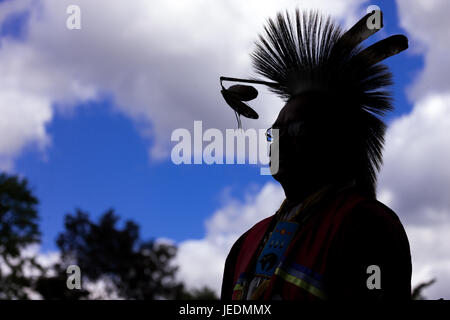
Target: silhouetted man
331,238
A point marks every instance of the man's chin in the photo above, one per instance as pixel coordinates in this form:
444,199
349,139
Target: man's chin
280,176
289,175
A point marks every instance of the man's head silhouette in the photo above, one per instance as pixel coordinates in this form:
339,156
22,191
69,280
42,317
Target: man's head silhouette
330,128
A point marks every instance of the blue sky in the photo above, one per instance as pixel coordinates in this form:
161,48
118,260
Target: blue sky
98,160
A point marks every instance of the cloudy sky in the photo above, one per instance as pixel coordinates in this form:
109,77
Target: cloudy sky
87,116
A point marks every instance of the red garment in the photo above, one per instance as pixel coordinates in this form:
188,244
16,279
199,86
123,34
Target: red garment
329,257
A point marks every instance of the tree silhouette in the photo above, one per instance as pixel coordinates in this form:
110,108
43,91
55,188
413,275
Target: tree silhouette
18,230
203,293
418,289
127,266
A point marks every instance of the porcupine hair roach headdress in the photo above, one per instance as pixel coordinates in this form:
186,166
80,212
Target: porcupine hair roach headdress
308,53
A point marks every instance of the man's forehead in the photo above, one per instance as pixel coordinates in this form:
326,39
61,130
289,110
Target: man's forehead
297,108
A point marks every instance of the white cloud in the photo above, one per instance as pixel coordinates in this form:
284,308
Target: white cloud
24,112
160,60
201,261
415,182
416,173
416,177
427,24
431,258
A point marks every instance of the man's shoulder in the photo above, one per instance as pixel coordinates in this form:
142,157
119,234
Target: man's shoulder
258,228
261,225
247,242
374,211
372,218
355,204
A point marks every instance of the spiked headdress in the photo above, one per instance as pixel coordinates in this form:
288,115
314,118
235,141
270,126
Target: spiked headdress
310,53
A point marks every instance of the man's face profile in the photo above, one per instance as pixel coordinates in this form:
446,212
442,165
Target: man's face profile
294,151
